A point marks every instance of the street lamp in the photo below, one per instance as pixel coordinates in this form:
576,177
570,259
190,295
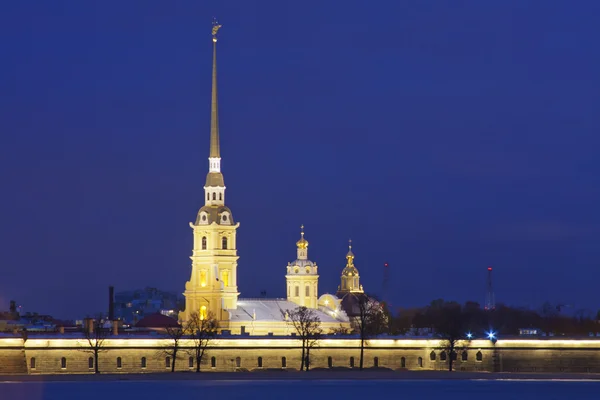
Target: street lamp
469,335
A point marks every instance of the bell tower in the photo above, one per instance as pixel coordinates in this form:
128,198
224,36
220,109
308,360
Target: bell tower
212,288
302,279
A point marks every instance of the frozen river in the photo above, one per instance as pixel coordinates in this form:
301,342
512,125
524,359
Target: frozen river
301,389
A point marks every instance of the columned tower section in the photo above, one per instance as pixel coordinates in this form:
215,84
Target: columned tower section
302,279
212,288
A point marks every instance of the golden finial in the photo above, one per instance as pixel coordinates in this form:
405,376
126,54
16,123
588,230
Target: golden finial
302,243
215,28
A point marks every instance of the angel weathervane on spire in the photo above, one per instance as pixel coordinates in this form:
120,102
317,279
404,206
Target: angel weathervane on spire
215,29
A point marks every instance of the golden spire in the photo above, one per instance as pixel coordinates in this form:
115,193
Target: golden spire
215,151
302,243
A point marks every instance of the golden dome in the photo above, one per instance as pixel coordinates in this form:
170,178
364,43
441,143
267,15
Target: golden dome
302,243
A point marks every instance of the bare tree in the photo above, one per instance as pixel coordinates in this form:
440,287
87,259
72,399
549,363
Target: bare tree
95,333
202,331
370,321
174,334
307,325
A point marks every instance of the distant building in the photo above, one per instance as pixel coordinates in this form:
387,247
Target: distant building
132,306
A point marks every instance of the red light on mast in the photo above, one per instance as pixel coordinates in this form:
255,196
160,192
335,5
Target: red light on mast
489,268
385,265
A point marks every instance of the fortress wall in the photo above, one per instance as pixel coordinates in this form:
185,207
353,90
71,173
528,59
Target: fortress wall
534,355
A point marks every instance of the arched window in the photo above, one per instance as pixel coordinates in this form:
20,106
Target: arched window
63,363
214,196
32,363
283,362
259,362
420,362
479,356
207,196
307,291
213,362
238,362
220,196
329,362
143,362
203,242
91,363
376,362
432,356
351,362
191,362
203,313
443,356
224,243
403,362
119,362
297,291
464,356
167,362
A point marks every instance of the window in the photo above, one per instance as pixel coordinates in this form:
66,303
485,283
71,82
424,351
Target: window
443,356
329,362
91,363
203,242
224,243
376,362
464,356
403,362
143,362
283,362
224,218
420,362
203,313
479,356
225,278
297,291
432,356
63,363
307,270
307,291
213,362
351,362
214,196
221,198
191,362
119,363
203,278
32,363
167,362
238,362
207,196
259,363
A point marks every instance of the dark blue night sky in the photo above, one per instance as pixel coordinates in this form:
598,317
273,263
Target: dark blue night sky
441,136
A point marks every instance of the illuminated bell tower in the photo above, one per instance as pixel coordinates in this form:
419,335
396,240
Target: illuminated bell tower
350,280
212,287
302,279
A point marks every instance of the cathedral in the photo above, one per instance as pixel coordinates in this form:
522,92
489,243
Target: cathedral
212,288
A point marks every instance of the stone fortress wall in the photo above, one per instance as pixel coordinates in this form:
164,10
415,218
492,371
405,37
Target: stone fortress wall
136,355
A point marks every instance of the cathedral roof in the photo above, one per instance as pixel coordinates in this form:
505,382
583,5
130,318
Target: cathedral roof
303,263
214,214
271,310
